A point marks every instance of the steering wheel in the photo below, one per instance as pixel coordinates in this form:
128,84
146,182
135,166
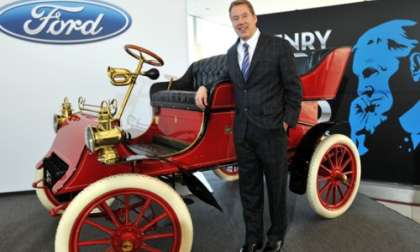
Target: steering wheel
137,52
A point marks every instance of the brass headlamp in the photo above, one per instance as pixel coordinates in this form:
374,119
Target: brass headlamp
105,136
66,112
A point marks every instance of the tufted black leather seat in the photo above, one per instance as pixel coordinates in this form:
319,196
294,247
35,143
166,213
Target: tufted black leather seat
174,99
210,71
306,64
181,93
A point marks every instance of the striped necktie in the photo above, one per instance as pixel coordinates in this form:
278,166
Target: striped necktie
245,61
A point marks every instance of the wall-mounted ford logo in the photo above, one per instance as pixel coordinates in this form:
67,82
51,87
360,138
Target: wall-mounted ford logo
63,22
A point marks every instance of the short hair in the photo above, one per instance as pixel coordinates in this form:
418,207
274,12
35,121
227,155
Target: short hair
394,31
242,2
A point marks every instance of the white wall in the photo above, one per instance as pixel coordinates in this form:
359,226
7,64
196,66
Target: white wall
36,77
208,17
217,11
202,40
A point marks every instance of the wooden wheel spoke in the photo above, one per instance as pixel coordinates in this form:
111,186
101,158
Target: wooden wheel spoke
322,178
94,242
99,226
127,208
330,161
334,194
328,192
336,153
158,236
327,185
142,211
154,221
343,154
345,164
340,192
149,248
132,207
325,168
108,211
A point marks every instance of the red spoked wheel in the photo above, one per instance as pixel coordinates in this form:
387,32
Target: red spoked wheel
334,176
228,173
145,215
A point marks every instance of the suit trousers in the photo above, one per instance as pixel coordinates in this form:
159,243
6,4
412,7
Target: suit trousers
262,152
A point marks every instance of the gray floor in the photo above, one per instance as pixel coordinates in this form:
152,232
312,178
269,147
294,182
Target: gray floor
367,226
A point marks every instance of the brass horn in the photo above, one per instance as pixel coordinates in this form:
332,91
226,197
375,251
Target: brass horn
120,76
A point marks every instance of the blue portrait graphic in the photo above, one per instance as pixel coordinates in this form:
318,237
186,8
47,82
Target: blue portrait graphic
376,59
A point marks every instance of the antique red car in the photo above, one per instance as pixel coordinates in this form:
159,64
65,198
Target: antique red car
115,192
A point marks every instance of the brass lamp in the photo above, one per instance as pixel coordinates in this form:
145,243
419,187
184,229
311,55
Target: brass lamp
66,112
105,136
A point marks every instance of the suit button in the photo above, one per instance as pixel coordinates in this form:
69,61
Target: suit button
246,109
245,90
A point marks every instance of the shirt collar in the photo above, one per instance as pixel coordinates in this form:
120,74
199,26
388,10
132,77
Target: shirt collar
252,41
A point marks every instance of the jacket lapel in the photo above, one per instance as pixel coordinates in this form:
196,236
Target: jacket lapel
257,54
236,69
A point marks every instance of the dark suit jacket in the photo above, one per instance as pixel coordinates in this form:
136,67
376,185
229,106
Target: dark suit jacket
272,93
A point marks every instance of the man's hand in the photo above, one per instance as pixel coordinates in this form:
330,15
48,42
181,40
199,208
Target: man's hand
285,126
201,97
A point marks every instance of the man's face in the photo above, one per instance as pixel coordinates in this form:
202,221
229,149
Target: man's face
376,60
243,21
374,64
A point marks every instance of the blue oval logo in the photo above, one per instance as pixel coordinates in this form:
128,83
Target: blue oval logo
63,22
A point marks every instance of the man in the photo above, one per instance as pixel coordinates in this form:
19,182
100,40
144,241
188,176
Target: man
384,117
267,98
377,58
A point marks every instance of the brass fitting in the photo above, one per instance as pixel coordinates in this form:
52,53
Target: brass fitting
66,110
108,155
66,113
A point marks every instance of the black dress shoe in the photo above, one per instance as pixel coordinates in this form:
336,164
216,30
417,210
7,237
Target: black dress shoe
273,246
251,247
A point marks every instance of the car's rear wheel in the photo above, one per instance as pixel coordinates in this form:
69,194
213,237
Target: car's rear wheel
334,176
228,173
146,215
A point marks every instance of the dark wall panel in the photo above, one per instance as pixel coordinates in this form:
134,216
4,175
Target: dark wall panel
380,94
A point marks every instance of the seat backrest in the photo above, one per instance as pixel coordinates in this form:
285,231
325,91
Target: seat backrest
209,71
323,80
181,93
206,71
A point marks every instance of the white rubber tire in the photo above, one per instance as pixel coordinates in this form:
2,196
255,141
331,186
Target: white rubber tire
224,176
116,182
311,185
40,193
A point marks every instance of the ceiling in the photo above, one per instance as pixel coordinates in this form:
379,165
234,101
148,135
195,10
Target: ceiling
217,10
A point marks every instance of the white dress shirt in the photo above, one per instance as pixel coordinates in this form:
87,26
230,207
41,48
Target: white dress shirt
252,43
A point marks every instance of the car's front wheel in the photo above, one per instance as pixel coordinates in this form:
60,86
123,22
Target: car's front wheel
145,215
